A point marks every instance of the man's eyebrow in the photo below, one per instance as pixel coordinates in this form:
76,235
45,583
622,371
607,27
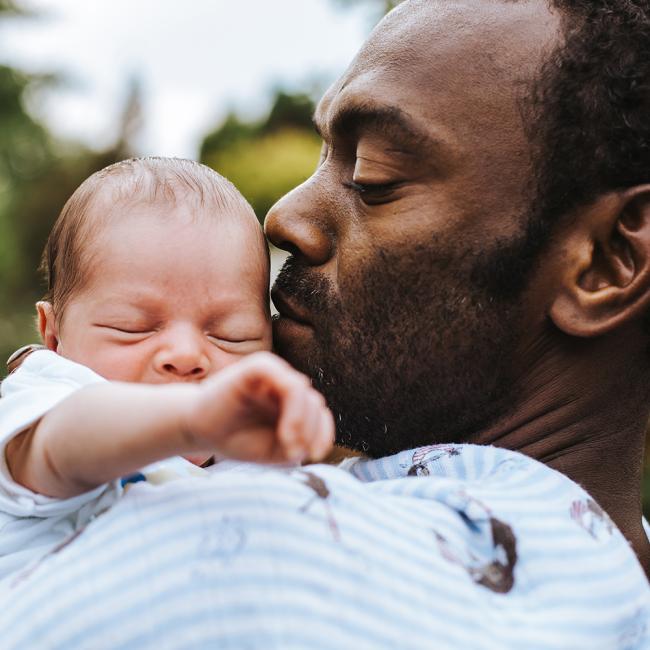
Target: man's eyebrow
390,121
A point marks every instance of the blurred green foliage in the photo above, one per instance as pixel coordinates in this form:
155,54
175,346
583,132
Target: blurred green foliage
268,158
37,175
24,154
9,7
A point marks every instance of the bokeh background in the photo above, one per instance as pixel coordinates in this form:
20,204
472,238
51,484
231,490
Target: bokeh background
86,83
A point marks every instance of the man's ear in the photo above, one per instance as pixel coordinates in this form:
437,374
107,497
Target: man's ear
606,266
47,325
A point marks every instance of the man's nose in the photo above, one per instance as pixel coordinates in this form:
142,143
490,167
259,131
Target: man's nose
295,224
183,358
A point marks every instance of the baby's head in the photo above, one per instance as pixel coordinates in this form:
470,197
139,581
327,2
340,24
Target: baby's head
157,271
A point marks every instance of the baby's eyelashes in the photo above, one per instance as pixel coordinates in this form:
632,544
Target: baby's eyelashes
127,329
131,331
236,345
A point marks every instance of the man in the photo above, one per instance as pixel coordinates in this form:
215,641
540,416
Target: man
470,266
470,263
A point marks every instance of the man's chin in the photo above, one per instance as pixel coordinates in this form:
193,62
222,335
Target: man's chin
293,341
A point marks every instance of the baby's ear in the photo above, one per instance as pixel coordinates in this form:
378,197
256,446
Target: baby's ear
47,325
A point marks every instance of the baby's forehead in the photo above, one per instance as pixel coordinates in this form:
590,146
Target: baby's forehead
119,219
131,184
170,189
126,199
153,259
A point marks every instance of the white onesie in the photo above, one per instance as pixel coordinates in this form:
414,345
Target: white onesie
32,524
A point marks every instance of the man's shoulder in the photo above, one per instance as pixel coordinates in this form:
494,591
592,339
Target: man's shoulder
467,463
491,503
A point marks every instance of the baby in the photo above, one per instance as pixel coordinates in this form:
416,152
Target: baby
158,281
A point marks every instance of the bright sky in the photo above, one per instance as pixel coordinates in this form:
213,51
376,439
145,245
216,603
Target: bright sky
195,59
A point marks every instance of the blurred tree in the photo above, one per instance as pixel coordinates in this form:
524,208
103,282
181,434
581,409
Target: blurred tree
290,111
267,158
53,178
37,175
24,152
9,7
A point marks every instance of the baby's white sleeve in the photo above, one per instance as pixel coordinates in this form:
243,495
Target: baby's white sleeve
31,523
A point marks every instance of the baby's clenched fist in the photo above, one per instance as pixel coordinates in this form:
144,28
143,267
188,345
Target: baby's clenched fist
260,409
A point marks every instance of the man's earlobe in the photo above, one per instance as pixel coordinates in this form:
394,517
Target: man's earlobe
47,325
606,278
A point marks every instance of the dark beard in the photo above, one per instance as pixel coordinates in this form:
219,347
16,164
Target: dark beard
419,349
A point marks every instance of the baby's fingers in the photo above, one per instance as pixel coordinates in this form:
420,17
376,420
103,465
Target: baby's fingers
324,439
311,422
304,426
290,429
314,434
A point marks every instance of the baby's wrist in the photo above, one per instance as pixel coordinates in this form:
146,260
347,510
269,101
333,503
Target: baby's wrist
186,398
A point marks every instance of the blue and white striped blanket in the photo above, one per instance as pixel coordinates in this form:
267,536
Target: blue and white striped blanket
453,546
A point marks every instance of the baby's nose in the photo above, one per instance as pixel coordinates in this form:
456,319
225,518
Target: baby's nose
185,369
183,361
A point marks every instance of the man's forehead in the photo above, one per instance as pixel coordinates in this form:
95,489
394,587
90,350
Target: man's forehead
425,44
422,27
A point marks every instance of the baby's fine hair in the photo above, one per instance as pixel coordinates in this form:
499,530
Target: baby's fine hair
150,180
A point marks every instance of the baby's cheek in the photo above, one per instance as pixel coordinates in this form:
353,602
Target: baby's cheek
266,344
120,365
223,358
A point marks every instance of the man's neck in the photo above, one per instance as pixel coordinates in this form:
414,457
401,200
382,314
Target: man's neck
589,428
616,492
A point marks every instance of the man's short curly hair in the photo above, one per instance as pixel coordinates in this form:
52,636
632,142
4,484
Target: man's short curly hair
589,117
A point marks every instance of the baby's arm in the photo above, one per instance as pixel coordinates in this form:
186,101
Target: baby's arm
258,409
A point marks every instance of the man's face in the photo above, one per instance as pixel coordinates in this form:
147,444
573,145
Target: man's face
404,294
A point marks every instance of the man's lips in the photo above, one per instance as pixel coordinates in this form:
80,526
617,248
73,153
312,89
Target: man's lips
287,309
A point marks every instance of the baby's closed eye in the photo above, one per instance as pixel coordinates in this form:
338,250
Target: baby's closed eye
128,328
237,344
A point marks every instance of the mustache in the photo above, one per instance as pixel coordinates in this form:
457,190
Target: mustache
304,286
